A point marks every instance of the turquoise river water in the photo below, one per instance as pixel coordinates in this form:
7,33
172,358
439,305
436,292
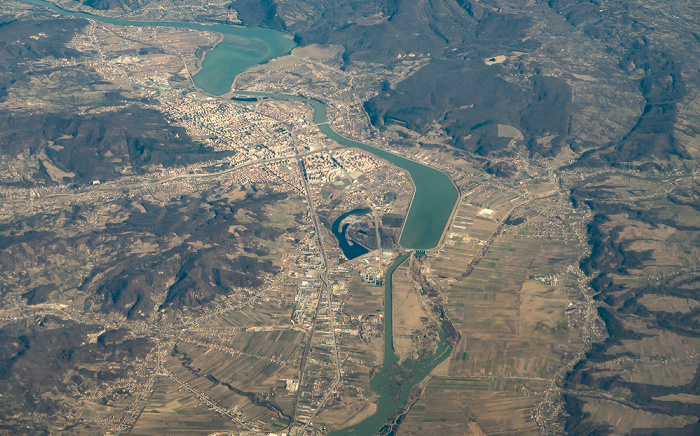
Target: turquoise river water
393,383
240,49
434,198
435,195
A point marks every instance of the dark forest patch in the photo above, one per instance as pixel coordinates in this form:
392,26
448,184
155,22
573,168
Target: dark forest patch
469,101
46,355
96,147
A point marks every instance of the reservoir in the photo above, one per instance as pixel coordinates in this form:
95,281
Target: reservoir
351,249
240,49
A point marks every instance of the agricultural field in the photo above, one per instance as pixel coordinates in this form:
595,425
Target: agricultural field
508,292
169,263
359,328
448,404
415,332
237,380
176,410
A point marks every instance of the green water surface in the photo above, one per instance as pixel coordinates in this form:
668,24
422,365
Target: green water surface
240,49
393,383
435,195
243,47
434,198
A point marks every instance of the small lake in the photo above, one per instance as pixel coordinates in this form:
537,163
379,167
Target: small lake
351,249
240,49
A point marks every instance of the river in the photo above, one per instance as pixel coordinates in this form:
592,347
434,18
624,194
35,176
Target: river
240,48
435,195
434,198
393,383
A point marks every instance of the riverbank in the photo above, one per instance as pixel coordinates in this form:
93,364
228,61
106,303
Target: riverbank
435,195
393,383
239,48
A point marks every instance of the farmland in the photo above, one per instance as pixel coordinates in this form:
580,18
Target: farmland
508,292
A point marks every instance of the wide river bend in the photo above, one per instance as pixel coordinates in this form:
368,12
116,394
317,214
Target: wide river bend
434,198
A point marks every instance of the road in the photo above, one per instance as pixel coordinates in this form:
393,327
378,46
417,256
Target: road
324,294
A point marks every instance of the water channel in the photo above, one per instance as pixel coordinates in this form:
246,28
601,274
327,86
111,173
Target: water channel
434,198
393,383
